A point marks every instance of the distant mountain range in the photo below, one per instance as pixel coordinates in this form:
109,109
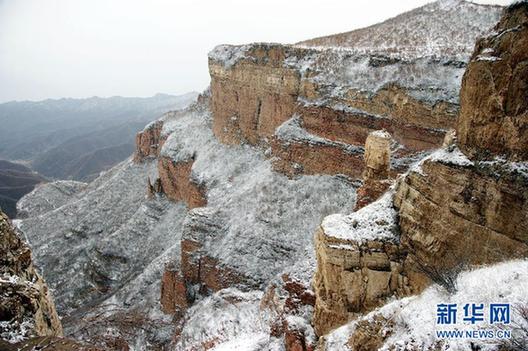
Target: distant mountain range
16,180
78,138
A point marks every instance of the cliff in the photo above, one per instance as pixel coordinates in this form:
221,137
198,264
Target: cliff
316,117
314,107
462,207
26,309
209,219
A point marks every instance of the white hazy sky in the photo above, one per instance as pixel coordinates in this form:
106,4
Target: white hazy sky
81,48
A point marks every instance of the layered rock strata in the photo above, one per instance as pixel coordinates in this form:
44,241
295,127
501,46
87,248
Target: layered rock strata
148,141
177,182
257,90
460,207
494,97
377,168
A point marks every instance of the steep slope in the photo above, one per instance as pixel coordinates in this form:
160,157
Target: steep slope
16,180
54,134
115,241
410,323
314,107
445,28
26,307
214,214
461,207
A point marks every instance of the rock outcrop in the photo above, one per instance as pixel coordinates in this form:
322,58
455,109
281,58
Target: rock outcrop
359,264
253,98
494,97
376,176
316,122
177,182
337,97
460,207
149,141
26,309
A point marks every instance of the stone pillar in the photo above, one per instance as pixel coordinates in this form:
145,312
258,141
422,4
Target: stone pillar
377,168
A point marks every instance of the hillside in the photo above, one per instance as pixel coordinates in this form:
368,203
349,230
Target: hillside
443,29
310,199
16,180
78,138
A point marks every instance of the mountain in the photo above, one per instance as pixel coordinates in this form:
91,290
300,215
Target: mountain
78,138
443,28
16,180
309,199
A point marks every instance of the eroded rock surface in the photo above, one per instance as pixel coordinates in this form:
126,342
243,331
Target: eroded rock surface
494,97
26,308
455,210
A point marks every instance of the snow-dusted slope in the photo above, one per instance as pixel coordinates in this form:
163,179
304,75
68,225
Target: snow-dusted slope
410,323
105,247
445,28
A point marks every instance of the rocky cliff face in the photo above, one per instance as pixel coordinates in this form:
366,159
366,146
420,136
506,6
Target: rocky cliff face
26,309
494,115
315,116
316,107
209,221
454,210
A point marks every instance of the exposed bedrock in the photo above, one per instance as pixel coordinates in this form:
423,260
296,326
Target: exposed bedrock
177,182
256,89
302,156
461,207
357,270
452,214
376,176
494,97
198,273
251,100
149,141
26,307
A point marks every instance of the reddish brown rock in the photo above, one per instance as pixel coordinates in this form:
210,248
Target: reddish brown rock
295,340
177,183
370,191
251,99
286,303
149,141
452,212
199,272
395,103
304,157
352,126
254,90
494,96
174,297
206,272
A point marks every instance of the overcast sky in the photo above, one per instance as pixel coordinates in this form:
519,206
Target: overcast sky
82,48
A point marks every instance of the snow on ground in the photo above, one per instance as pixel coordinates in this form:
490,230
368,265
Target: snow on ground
377,221
48,196
227,315
445,28
105,245
292,131
415,318
269,219
447,155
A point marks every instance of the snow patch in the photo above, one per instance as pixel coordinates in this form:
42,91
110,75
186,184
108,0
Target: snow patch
376,221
